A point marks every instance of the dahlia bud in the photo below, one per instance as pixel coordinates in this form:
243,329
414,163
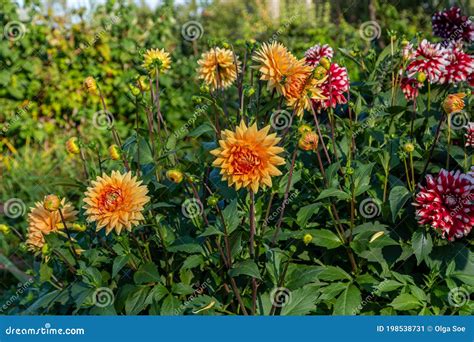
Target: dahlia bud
79,227
325,63
4,229
51,202
174,176
134,90
204,89
349,170
193,179
421,77
307,239
225,45
309,141
454,103
319,72
304,129
213,200
143,83
409,147
196,100
405,42
250,91
114,152
72,146
45,249
90,85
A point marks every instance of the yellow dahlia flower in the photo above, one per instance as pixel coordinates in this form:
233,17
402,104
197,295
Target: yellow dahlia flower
116,202
42,222
218,69
156,59
248,157
281,69
454,103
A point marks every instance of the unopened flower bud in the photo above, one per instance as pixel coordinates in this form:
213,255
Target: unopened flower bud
4,229
174,176
79,227
72,146
250,91
114,152
409,147
319,72
143,83
51,202
304,129
213,200
204,89
325,63
307,239
45,249
90,85
421,77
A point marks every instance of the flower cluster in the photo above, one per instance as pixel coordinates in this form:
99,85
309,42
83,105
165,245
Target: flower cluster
436,64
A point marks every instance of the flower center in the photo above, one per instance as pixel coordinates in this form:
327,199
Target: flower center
110,199
245,160
451,200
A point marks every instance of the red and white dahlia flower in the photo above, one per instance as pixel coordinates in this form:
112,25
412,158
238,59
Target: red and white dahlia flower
429,59
470,135
334,88
460,66
313,55
447,203
410,88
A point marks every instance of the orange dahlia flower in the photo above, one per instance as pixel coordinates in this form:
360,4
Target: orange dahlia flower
283,71
43,222
248,157
218,68
454,103
116,202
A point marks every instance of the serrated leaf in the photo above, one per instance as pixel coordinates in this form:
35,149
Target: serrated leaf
404,302
119,262
397,198
247,267
332,192
326,238
422,245
348,301
147,273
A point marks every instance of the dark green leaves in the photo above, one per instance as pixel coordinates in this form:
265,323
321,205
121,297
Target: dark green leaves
147,273
348,301
398,197
422,245
247,267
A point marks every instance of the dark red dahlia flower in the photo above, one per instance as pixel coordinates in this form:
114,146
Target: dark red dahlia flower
460,66
447,203
452,25
429,59
313,55
470,134
334,88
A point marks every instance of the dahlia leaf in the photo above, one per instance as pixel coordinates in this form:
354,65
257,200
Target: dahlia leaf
348,302
397,198
326,238
119,262
422,245
300,302
405,302
339,194
247,267
147,273
331,273
305,213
